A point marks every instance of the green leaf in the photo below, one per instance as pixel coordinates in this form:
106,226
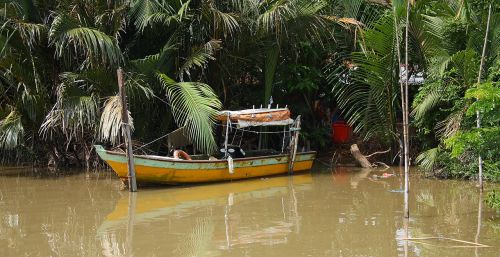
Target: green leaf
71,38
11,131
195,107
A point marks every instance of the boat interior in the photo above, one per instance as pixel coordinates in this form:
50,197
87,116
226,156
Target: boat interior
236,152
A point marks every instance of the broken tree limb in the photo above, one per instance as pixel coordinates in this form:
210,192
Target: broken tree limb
360,158
375,153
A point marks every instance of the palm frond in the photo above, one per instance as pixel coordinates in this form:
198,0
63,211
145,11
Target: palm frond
428,104
68,36
31,32
31,104
273,19
222,21
280,18
365,84
111,121
466,63
150,12
11,131
246,8
141,10
74,113
113,21
428,159
154,62
195,107
451,125
199,57
137,87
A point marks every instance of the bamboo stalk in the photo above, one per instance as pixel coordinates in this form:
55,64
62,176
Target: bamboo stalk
401,86
478,117
132,185
406,121
472,244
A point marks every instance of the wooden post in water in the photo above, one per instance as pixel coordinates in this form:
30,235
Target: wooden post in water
478,117
132,185
401,84
406,119
293,145
226,138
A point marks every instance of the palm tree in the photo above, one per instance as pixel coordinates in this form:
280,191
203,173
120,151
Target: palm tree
365,83
452,70
67,59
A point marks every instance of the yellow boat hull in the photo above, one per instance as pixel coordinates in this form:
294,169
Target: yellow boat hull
164,170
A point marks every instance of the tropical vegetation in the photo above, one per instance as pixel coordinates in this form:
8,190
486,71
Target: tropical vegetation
185,60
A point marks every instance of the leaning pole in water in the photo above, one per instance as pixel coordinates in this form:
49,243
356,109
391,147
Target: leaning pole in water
478,117
132,185
406,120
401,85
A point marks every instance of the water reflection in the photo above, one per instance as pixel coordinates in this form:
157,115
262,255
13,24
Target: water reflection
156,205
344,212
479,221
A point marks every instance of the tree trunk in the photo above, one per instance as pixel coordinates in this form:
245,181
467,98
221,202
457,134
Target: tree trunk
360,157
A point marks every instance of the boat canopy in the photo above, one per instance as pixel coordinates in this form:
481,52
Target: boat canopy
257,117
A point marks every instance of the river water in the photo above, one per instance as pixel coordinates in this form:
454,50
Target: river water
342,212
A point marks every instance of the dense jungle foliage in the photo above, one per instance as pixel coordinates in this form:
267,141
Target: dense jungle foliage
185,60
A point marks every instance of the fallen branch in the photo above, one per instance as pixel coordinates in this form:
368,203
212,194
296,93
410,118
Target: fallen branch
375,153
363,160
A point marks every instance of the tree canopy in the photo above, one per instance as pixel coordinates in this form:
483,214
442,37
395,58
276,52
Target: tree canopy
186,60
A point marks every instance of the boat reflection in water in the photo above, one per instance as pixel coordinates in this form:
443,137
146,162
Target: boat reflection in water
214,217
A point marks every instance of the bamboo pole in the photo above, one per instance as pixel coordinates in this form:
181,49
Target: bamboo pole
405,124
478,117
132,185
469,243
401,86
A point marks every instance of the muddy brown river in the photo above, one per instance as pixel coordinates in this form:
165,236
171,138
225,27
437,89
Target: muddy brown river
344,212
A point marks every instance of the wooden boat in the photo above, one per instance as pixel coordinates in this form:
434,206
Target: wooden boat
168,170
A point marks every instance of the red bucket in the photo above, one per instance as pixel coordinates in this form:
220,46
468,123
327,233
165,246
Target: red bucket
341,132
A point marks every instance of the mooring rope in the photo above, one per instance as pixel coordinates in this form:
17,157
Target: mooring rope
152,142
230,127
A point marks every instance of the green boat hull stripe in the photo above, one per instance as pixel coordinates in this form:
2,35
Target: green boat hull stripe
238,163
